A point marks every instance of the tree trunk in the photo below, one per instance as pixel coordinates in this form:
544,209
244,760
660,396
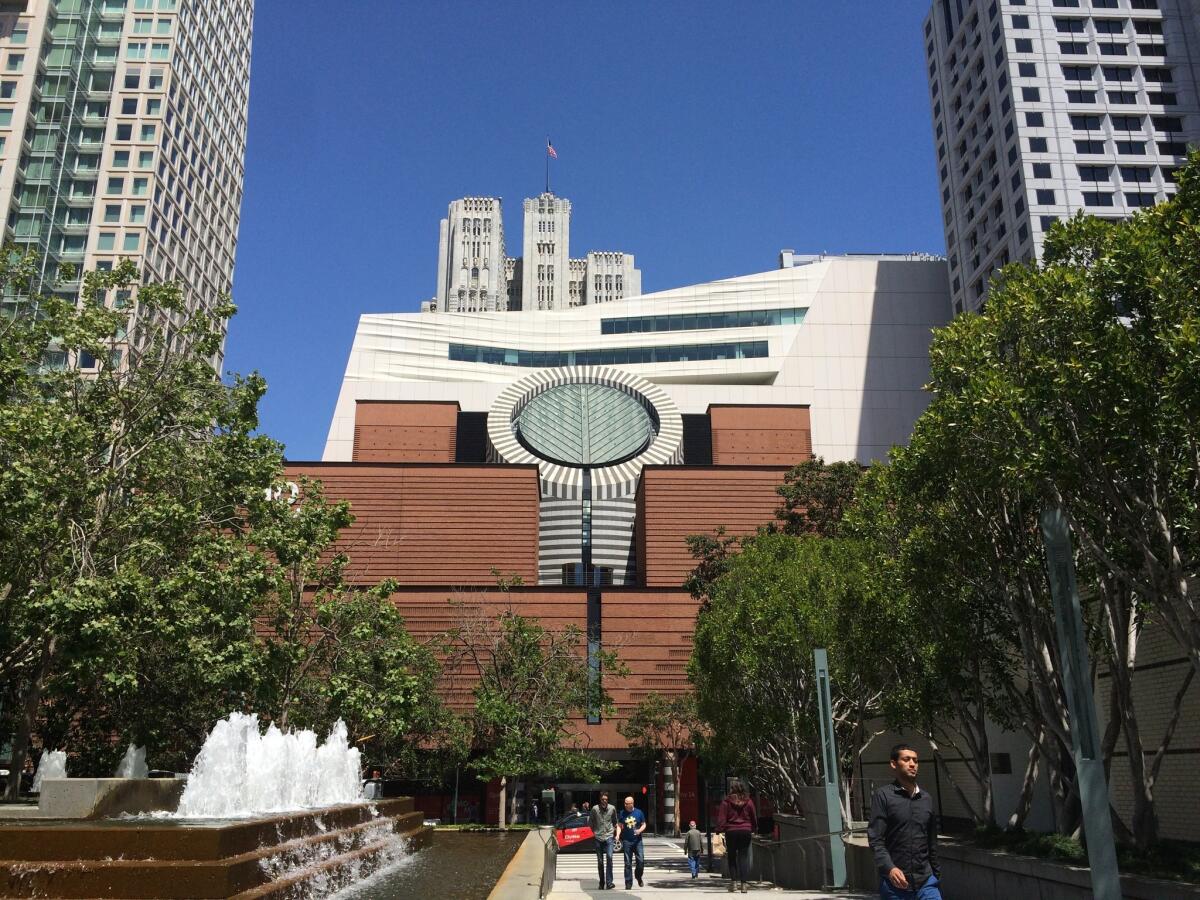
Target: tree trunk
30,703
940,757
502,812
1025,798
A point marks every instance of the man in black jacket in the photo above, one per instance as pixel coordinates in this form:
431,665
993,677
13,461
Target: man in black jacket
903,834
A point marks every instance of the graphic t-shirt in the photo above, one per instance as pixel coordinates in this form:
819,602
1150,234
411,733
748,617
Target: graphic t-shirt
631,821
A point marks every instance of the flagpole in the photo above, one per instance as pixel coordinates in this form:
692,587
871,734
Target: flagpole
547,154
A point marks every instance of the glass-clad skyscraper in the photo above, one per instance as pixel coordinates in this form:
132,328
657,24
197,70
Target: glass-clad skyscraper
123,135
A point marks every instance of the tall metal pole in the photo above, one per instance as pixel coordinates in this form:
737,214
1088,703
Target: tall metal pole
829,762
1073,655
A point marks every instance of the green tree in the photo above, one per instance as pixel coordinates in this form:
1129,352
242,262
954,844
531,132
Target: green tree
954,645
334,649
815,496
752,663
712,554
124,488
667,725
532,689
1078,387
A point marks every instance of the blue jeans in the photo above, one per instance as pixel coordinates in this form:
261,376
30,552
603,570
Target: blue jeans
632,849
604,855
929,891
694,864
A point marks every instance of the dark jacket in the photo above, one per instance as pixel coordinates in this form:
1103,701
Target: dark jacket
903,833
693,842
737,816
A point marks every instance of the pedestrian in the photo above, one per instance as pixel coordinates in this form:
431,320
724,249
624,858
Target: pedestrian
534,811
737,818
903,833
629,830
587,807
693,846
603,822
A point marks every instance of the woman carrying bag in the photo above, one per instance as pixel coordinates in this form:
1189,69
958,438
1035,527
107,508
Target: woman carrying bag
738,820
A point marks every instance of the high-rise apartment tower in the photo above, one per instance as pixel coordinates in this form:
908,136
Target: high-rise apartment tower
123,135
1043,108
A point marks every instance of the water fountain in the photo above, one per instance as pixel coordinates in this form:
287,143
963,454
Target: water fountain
241,771
133,763
263,814
53,764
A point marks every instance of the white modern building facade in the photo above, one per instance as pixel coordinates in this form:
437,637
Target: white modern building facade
123,136
1044,108
593,394
475,274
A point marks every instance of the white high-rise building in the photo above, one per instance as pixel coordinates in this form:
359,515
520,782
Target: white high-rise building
471,263
475,275
1043,108
123,135
610,275
546,252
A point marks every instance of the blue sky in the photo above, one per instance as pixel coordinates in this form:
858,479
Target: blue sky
701,136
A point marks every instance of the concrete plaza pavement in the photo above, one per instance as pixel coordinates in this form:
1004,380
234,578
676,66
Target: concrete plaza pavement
666,875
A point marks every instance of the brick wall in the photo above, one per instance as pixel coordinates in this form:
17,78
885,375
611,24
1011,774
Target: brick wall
434,524
760,435
675,501
386,431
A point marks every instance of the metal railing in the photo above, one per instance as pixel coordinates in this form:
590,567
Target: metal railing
549,861
767,843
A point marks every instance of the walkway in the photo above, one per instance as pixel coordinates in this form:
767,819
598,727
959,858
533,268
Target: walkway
666,876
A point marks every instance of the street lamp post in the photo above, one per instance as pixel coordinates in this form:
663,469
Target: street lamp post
829,762
1081,702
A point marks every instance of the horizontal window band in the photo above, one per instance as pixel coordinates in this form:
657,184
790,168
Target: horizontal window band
547,359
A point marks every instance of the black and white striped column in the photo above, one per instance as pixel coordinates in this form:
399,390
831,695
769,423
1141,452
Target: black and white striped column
668,775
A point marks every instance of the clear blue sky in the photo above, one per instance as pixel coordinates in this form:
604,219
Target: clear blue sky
701,136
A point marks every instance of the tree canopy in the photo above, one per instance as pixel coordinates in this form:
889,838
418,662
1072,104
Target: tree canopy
149,583
1077,386
752,662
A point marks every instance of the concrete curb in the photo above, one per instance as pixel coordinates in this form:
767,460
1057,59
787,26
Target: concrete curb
522,877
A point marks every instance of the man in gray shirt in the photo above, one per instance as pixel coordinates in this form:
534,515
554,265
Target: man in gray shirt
603,822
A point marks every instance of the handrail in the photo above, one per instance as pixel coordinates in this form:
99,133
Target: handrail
845,832
549,862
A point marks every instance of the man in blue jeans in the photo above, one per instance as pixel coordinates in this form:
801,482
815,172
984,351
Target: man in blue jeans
630,826
693,846
602,819
903,834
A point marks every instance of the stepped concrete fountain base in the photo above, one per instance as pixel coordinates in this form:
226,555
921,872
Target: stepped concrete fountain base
290,855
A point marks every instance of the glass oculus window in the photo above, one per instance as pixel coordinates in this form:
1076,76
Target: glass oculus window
584,425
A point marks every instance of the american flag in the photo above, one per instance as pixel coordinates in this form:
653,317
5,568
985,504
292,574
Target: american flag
550,151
